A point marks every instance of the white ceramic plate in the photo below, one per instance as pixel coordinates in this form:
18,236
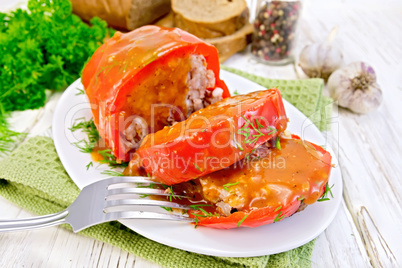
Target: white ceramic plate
241,242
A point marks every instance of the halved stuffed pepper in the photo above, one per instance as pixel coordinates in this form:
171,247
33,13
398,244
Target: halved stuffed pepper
277,180
213,138
141,81
237,163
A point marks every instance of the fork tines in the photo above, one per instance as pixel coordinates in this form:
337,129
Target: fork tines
119,189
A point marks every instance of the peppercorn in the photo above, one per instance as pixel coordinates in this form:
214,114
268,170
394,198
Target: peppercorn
274,29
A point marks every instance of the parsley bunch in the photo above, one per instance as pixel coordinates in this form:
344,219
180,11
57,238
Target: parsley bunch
44,47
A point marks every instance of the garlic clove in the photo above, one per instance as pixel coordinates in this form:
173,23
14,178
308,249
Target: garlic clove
320,60
355,87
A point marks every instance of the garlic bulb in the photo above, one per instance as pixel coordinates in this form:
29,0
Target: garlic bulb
320,60
355,87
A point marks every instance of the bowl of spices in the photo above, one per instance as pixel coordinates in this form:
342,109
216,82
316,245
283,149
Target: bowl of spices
275,31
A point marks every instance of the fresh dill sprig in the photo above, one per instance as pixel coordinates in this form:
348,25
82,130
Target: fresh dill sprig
171,195
112,173
248,126
89,144
238,145
242,220
196,206
88,127
225,186
80,91
327,190
279,217
196,221
169,209
151,186
110,159
248,156
205,214
278,143
90,164
197,167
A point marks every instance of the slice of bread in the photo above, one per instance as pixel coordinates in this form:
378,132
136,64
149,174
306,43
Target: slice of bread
144,12
226,45
230,44
122,14
210,18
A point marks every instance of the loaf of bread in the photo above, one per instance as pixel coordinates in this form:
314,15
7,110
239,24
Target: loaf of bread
210,18
122,14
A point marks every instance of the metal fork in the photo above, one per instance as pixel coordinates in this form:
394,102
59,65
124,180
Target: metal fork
104,201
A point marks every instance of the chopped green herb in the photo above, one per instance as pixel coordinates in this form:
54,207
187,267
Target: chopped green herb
199,215
196,206
88,145
225,186
110,159
196,222
89,128
205,213
327,190
90,164
80,92
238,145
241,221
236,92
112,173
151,186
279,217
249,154
246,130
167,209
278,208
197,167
278,143
301,198
171,195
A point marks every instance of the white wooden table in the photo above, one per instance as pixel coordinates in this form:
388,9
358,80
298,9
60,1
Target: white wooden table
367,229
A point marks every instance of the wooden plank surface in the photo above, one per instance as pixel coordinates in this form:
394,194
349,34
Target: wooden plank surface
366,231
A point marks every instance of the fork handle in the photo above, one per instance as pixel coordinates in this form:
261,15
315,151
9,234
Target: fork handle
34,222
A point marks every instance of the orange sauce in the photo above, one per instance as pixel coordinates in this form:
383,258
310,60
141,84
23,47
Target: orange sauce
279,178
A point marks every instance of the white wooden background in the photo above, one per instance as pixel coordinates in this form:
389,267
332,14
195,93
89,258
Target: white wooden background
367,229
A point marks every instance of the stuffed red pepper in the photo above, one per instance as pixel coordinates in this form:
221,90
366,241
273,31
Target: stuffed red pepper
213,138
141,81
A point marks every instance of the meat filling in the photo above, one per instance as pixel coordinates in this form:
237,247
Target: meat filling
199,79
198,85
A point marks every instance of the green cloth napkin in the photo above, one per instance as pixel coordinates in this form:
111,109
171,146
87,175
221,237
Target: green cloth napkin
305,95
33,177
